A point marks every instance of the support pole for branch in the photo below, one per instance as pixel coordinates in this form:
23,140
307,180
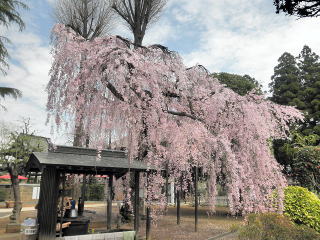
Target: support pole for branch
148,222
196,202
178,207
136,201
167,185
109,202
179,193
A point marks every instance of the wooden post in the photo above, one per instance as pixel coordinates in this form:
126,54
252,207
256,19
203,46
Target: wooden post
62,202
136,201
47,207
83,195
148,224
109,202
36,178
196,199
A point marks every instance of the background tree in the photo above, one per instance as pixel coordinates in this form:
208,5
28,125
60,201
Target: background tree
296,82
138,15
15,148
300,8
240,84
9,15
309,76
285,84
300,157
88,18
11,92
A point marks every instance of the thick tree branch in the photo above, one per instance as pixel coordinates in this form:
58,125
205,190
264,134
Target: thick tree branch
184,114
114,91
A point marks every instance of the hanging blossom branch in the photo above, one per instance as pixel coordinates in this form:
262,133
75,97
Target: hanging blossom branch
177,117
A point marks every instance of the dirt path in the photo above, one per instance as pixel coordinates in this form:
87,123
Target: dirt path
165,229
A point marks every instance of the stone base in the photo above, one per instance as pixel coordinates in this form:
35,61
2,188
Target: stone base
13,228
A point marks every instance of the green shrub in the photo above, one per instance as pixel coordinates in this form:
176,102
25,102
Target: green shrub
302,206
273,226
306,233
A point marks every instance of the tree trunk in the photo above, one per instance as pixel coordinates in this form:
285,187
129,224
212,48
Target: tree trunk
138,37
15,217
77,140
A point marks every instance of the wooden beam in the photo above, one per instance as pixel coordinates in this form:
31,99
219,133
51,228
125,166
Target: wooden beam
136,201
109,202
196,201
47,206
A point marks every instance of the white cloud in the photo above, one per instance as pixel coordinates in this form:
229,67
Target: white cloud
244,37
239,36
29,73
51,1
160,33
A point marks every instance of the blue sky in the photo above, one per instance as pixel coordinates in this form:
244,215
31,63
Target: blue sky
236,36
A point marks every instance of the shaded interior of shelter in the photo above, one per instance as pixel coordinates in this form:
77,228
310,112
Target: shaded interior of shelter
62,160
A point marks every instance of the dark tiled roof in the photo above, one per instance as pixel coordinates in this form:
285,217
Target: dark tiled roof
75,159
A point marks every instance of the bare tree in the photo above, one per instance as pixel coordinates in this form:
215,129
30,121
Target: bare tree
89,18
138,14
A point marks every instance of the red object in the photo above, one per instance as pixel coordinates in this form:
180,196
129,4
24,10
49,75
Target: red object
101,176
8,177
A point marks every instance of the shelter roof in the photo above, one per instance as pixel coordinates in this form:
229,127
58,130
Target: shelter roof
84,160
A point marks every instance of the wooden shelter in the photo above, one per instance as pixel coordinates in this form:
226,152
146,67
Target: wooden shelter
62,160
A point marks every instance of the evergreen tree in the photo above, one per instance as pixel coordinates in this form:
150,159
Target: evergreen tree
309,75
285,85
296,82
240,84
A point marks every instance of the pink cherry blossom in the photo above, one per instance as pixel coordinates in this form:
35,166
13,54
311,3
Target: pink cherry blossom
172,116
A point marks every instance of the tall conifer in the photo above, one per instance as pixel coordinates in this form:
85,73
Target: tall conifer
285,85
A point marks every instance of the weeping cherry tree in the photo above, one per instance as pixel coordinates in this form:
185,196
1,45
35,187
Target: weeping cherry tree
174,117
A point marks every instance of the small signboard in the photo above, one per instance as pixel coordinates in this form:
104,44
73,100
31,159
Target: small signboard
35,192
